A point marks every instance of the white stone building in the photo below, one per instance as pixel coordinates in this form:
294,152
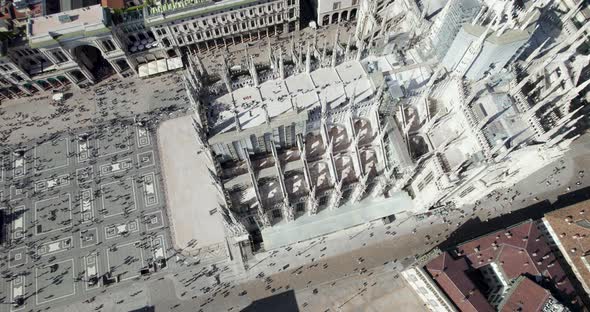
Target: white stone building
333,11
65,48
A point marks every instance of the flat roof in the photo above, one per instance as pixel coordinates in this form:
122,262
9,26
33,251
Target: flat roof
163,14
190,193
509,36
333,84
328,221
83,21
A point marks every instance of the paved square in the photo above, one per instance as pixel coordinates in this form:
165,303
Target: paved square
55,281
19,164
83,147
19,219
52,183
143,136
55,246
148,189
121,229
154,220
113,140
145,159
53,214
86,199
18,288
2,168
17,256
70,202
118,198
85,174
88,237
52,155
126,260
121,166
18,191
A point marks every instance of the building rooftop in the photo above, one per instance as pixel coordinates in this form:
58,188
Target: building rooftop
334,85
175,10
525,295
79,22
194,203
509,36
450,274
572,226
520,250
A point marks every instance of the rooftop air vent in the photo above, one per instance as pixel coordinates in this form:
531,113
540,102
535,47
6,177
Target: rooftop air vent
64,18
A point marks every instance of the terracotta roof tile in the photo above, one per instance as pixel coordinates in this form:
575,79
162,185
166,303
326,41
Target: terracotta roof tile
572,226
526,296
518,250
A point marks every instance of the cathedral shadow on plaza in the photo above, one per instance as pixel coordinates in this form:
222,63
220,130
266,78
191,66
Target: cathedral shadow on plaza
284,302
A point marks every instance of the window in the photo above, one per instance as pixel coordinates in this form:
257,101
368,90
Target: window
276,213
323,201
346,195
354,2
60,56
251,220
300,207
108,45
17,77
336,6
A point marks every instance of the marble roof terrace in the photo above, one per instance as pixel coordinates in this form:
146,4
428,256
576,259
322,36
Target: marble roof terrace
334,85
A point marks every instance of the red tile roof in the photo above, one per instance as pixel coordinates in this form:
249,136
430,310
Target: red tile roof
450,275
570,225
518,250
525,296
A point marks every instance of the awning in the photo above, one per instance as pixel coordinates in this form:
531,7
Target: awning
162,66
58,97
159,66
143,70
153,68
174,63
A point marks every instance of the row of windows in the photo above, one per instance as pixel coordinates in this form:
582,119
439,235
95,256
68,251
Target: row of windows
194,26
6,67
60,56
25,52
109,45
226,30
234,15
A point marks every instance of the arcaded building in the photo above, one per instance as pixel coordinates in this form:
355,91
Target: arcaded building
81,46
